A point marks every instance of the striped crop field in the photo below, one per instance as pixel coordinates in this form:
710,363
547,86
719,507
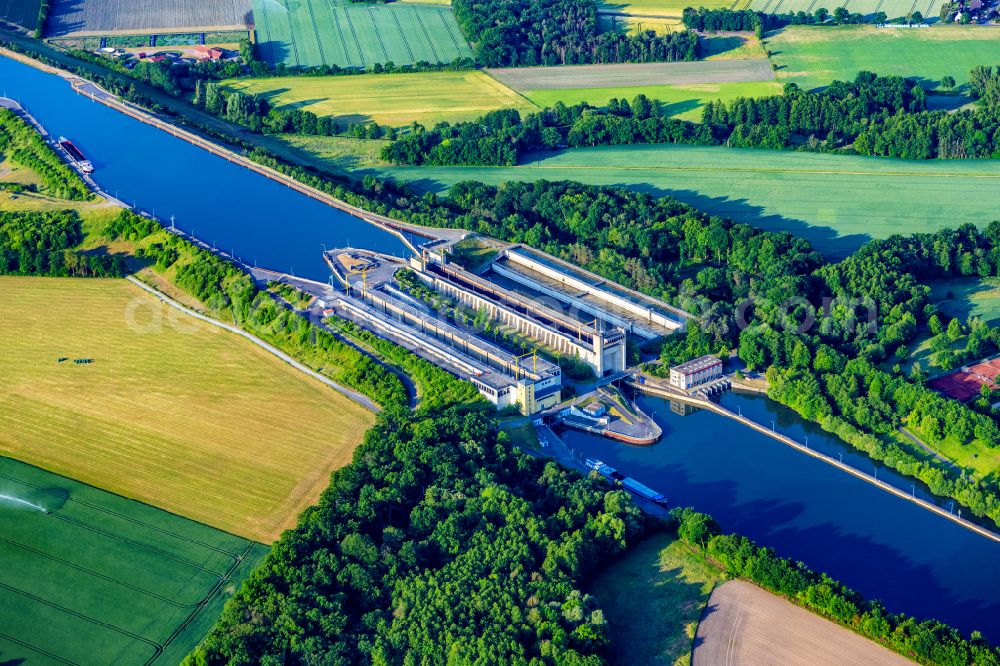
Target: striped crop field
170,411
389,99
93,578
107,17
310,33
837,202
815,56
20,12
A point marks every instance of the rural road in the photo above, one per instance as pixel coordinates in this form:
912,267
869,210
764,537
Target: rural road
353,395
746,625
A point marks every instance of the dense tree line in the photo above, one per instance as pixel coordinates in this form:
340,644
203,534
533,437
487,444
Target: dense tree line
499,138
872,115
25,146
748,20
519,33
43,16
254,112
926,642
437,544
45,242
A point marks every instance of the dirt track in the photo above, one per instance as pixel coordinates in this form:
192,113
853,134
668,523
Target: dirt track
744,624
640,74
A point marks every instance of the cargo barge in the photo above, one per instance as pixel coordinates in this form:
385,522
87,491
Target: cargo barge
626,482
75,156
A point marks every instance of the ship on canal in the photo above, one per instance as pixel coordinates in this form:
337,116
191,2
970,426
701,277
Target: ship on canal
75,155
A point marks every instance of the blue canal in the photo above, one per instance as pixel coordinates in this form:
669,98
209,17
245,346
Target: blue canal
221,203
881,545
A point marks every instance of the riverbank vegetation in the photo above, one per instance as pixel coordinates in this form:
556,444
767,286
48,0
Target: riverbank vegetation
48,243
22,144
926,642
652,597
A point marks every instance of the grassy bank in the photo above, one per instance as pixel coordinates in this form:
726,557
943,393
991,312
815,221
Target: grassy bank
652,598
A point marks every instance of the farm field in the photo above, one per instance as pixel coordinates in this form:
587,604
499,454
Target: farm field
813,57
660,578
171,411
91,577
309,33
624,23
389,99
965,297
108,17
681,101
837,202
892,8
752,626
657,7
20,12
643,74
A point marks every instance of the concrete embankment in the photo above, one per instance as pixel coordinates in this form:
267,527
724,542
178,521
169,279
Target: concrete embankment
663,391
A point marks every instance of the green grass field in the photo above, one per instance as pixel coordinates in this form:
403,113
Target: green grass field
94,578
309,33
965,297
653,597
20,12
389,99
813,56
838,202
682,101
172,411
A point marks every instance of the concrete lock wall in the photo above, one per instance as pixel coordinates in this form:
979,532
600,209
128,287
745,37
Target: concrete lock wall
647,313
521,323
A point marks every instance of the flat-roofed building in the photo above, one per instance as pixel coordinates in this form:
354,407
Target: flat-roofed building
695,372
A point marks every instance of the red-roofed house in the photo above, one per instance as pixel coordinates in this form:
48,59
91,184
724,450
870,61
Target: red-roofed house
208,53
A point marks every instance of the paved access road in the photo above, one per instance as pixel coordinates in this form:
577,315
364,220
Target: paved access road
745,625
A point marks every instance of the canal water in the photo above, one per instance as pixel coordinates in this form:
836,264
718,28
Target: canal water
236,209
881,545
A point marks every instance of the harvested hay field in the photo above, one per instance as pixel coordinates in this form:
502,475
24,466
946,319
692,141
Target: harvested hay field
109,17
744,624
642,74
93,578
389,99
171,411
